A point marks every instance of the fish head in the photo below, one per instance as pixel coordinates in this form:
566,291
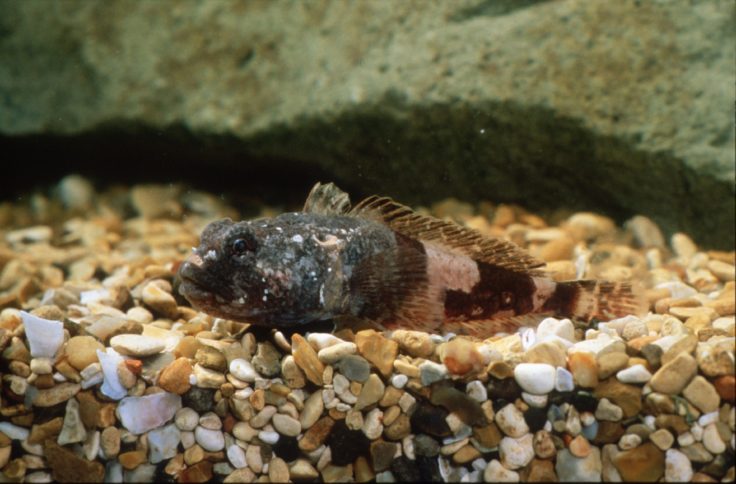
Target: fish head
266,271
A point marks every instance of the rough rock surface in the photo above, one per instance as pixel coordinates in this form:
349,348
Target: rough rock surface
531,99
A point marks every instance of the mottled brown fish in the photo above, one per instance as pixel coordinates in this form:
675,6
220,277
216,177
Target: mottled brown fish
381,262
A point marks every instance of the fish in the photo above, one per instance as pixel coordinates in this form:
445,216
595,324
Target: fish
382,263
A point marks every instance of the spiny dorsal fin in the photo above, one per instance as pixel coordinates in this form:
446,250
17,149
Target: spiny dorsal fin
450,235
327,199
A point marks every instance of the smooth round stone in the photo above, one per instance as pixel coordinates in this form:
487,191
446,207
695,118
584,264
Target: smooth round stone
634,374
211,421
236,456
137,345
516,453
678,467
550,327
186,419
81,351
537,401
477,391
268,436
495,472
243,370
286,425
334,353
399,380
211,440
535,378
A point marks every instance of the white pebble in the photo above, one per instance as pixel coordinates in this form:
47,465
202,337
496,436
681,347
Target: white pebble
634,374
561,328
516,453
564,381
243,370
677,467
535,378
44,336
186,419
476,390
268,436
629,441
399,380
211,440
236,456
537,401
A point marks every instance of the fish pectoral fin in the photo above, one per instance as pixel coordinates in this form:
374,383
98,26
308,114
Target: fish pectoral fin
327,199
451,236
391,287
485,328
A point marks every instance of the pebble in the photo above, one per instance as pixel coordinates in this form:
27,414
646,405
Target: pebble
236,456
372,424
511,421
243,370
206,378
584,369
399,381
378,350
286,425
535,378
81,351
45,337
334,353
495,472
579,447
662,438
136,345
570,468
701,393
549,352
712,439
634,374
644,463
163,443
210,440
414,343
159,301
672,377
306,358
551,327
266,361
175,377
431,372
516,453
563,380
354,367
56,394
141,414
677,467
269,437
73,429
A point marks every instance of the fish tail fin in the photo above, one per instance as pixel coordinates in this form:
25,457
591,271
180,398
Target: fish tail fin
604,300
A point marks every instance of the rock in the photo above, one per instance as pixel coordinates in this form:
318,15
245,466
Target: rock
584,369
243,370
66,466
199,472
561,328
535,378
162,443
306,358
634,374
313,408
158,300
334,353
516,453
382,453
702,394
316,435
511,421
643,464
278,471
628,397
354,367
469,410
112,386
210,440
81,351
563,380
207,378
714,360
488,436
677,467
414,343
292,374
430,419
461,356
608,411
431,372
211,358
110,442
175,377
371,393
549,352
105,327
56,394
726,387
373,424
44,336
495,472
575,469
579,447
266,361
286,425
475,390
672,377
73,429
662,438
302,469
712,439
136,345
346,444
141,414
541,471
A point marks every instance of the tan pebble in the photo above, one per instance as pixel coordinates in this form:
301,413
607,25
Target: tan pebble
159,300
391,397
81,351
683,313
561,270
414,343
685,344
466,454
584,369
293,375
549,352
278,471
611,363
579,447
306,358
372,392
175,377
132,459
628,397
558,249
723,306
405,368
316,435
662,438
41,432
675,375
683,246
701,393
258,399
378,350
461,356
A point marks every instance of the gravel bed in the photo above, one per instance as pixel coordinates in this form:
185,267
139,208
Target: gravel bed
108,374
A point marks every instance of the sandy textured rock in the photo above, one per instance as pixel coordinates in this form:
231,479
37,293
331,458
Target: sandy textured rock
566,92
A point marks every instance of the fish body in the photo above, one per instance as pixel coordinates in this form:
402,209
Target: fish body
381,262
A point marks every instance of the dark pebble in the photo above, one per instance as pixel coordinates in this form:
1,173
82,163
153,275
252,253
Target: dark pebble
199,399
535,418
720,464
584,402
653,355
458,402
507,389
405,470
287,448
429,469
426,446
354,368
160,474
429,419
558,398
346,444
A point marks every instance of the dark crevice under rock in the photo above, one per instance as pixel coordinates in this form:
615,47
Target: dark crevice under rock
494,151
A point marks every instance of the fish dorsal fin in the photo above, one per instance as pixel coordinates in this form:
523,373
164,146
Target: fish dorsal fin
327,199
458,239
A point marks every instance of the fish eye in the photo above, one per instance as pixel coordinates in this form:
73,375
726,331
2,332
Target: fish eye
241,246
